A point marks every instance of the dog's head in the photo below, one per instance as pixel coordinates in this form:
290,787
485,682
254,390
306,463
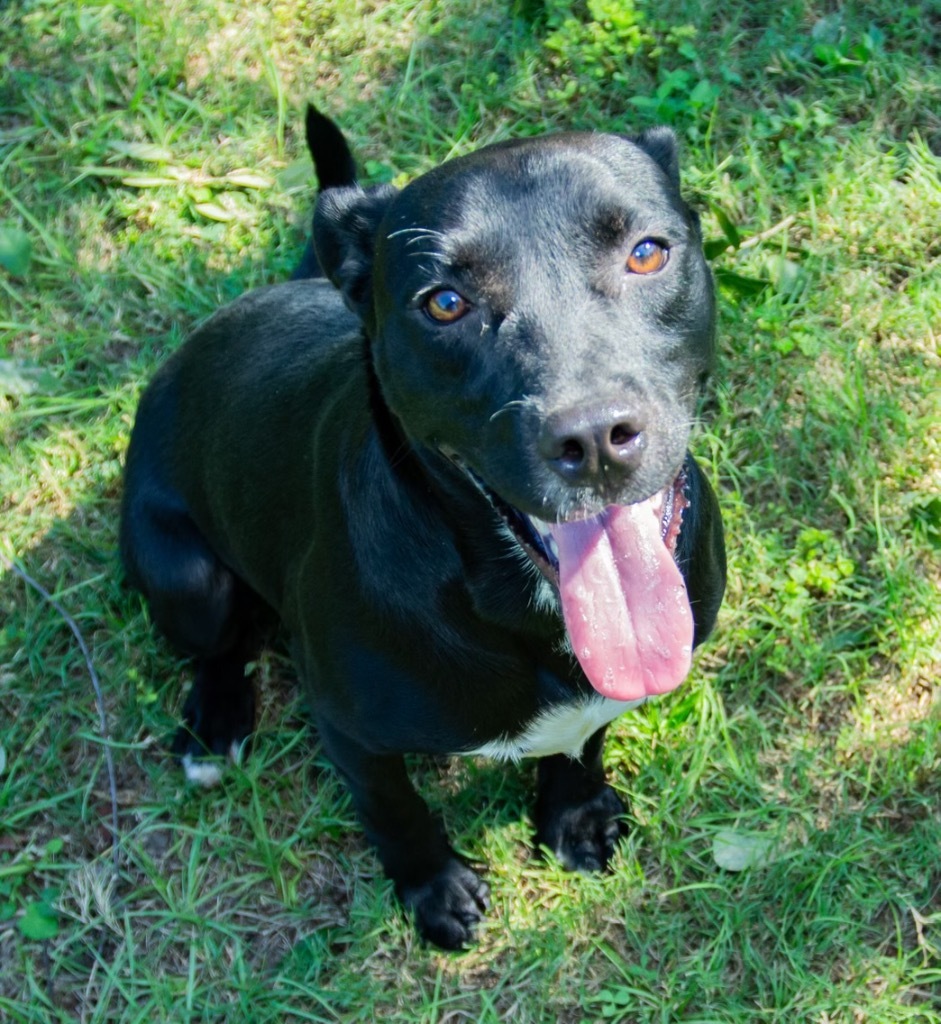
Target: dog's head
540,313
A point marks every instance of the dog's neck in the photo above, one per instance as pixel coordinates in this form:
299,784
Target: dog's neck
395,443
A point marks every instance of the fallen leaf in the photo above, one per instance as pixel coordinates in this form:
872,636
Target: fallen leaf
39,922
739,851
15,250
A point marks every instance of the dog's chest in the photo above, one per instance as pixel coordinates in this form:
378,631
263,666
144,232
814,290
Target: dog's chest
561,729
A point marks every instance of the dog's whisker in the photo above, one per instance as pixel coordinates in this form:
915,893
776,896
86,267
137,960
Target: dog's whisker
416,230
419,235
432,238
400,454
512,406
418,239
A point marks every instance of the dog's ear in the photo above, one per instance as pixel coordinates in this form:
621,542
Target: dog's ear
333,162
345,225
660,144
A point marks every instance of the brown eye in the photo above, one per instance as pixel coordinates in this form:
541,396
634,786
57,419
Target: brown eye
446,306
647,257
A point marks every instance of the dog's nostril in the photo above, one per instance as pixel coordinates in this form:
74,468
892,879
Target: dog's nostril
621,435
572,452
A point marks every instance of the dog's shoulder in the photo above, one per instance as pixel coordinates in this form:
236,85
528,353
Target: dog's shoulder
293,308
277,333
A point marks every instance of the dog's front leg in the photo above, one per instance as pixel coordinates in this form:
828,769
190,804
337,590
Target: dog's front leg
446,896
578,815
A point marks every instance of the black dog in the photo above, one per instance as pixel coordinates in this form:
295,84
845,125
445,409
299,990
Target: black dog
334,167
465,491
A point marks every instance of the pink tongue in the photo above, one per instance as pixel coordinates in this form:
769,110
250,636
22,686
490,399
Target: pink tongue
624,602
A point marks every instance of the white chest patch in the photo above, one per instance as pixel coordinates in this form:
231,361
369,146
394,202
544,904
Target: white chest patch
560,730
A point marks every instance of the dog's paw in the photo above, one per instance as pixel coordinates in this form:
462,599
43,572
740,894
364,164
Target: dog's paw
449,905
583,836
199,768
211,735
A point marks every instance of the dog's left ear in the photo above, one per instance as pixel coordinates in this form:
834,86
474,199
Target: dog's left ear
345,224
660,144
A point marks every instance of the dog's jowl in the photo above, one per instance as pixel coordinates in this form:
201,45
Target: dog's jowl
457,472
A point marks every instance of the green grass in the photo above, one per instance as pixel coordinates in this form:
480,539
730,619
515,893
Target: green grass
151,154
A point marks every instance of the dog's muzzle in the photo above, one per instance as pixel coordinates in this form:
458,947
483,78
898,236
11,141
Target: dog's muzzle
623,597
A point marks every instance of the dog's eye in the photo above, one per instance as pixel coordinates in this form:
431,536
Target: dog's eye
647,257
446,306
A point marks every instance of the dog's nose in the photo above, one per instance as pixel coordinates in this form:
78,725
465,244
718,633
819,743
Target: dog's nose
593,446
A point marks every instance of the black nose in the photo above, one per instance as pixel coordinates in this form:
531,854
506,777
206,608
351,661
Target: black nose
593,446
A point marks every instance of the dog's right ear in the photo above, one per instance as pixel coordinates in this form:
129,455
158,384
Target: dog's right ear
345,224
660,143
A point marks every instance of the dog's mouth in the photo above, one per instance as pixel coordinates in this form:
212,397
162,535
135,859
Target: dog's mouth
539,538
623,597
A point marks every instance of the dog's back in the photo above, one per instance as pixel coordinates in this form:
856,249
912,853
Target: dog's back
276,357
